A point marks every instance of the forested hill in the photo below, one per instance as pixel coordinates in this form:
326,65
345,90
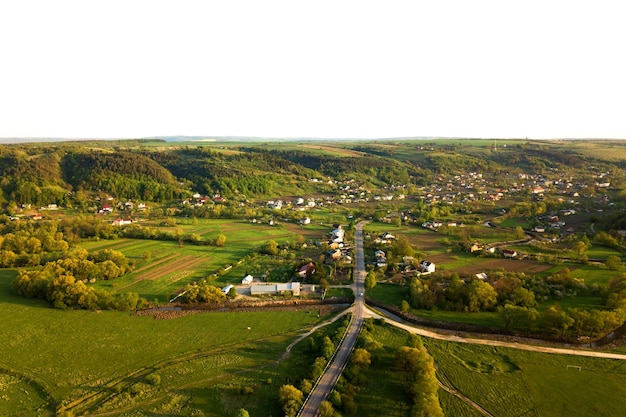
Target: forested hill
53,173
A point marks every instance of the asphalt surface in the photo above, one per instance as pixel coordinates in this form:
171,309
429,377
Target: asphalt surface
333,371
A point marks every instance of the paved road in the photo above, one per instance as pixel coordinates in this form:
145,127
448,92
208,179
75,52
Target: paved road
338,363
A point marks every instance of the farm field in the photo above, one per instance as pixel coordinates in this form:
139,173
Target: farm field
164,267
103,360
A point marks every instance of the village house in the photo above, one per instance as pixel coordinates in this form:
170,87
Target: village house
509,253
338,234
306,269
247,280
381,259
476,247
427,266
105,210
121,222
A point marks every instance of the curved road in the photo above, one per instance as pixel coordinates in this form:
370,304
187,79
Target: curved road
328,380
497,343
338,362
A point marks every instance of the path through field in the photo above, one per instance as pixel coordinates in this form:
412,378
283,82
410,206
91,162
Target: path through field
495,343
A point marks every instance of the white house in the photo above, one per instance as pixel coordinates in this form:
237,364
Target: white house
427,266
481,276
227,288
306,220
338,235
121,222
247,280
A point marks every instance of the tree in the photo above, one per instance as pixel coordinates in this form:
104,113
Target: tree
291,399
613,262
370,280
306,386
579,247
361,359
242,413
328,347
403,247
557,320
524,297
326,409
220,240
517,317
481,296
270,248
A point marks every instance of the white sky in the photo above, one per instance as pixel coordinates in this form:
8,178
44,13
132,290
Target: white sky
334,69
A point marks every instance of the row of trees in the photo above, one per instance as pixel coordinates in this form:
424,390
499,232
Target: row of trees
418,368
565,324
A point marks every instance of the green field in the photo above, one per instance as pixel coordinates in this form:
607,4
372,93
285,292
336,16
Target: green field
506,382
164,267
509,382
100,361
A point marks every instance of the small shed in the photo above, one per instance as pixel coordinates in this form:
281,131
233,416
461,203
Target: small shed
247,280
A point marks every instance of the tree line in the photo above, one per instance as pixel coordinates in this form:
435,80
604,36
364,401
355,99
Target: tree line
63,282
515,297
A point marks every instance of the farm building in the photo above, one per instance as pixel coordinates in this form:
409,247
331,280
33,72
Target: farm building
247,279
227,288
270,289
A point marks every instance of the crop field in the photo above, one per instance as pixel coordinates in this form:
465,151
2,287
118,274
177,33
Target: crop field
103,360
164,267
490,264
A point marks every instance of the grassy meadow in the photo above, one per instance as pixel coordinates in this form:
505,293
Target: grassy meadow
102,361
509,382
506,382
